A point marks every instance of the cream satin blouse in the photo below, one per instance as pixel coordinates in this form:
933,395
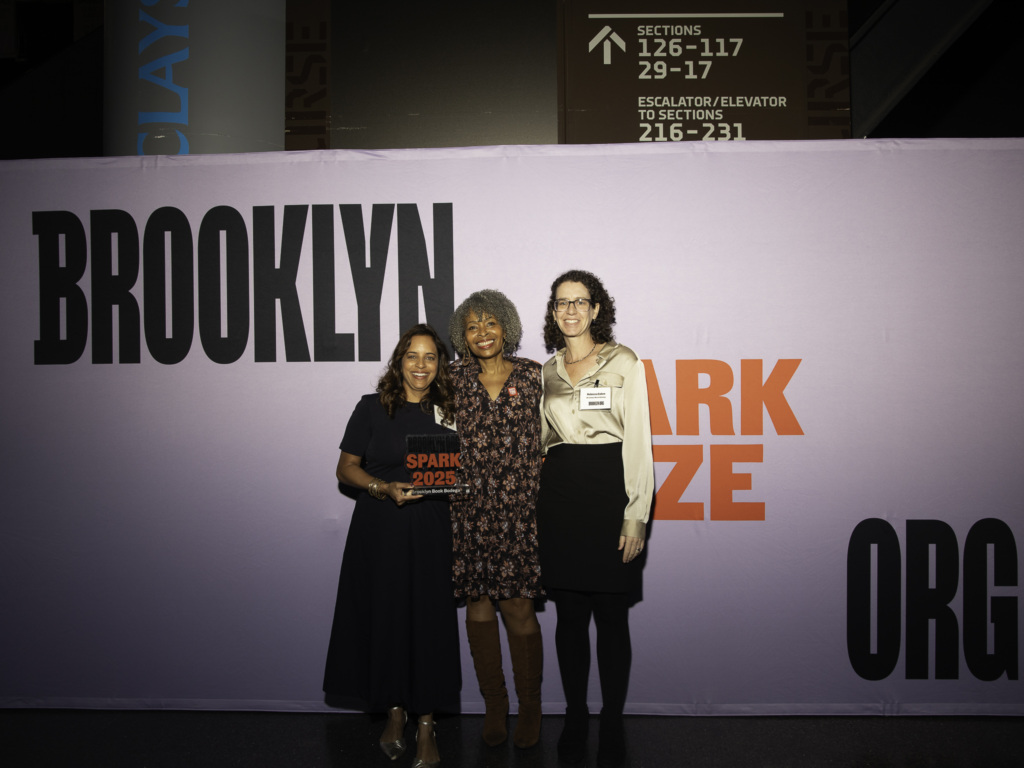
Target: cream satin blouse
628,421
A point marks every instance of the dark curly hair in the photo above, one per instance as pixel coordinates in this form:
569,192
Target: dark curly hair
486,302
391,389
600,329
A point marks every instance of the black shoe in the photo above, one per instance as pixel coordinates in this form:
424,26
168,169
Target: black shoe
611,742
572,744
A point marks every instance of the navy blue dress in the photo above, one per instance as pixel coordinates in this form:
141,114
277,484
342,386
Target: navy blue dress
395,637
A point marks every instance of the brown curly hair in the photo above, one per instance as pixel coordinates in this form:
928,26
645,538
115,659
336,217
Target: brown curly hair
600,329
391,390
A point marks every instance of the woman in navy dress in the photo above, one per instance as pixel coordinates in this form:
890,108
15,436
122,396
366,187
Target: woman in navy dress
394,642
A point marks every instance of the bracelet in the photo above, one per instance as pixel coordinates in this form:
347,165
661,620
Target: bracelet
375,489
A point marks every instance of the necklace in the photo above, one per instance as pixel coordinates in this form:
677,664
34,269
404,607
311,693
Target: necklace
573,362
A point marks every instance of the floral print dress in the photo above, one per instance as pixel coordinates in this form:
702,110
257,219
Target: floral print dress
494,525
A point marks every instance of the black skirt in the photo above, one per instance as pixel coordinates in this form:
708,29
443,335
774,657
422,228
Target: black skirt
579,520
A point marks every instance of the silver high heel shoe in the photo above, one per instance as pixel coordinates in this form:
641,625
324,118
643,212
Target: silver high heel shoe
395,749
419,762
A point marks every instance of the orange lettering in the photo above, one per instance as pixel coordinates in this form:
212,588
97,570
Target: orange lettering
724,481
690,395
687,460
659,416
753,394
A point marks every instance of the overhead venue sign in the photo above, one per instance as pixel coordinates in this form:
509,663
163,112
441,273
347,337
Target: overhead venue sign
693,70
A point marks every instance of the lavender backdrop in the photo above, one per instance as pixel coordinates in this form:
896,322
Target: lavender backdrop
172,532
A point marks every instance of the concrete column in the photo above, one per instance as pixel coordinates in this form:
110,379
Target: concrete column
187,77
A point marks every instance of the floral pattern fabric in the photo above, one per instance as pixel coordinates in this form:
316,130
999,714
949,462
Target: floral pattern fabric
494,525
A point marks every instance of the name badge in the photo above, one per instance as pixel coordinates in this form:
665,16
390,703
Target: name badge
596,399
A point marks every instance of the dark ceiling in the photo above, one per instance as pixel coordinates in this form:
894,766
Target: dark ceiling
961,80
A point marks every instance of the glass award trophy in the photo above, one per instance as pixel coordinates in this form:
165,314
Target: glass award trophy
433,464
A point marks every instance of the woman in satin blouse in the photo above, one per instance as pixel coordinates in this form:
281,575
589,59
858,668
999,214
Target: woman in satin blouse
596,489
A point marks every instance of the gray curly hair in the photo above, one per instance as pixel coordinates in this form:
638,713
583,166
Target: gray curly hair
486,302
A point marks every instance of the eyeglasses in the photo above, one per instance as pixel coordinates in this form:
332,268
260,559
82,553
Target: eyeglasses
582,305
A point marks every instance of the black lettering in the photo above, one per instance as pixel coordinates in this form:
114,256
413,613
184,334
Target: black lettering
59,285
272,284
162,222
879,664
328,344
981,610
368,279
414,267
926,603
183,280
110,288
223,348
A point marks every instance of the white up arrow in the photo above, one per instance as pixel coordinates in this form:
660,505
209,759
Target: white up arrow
607,37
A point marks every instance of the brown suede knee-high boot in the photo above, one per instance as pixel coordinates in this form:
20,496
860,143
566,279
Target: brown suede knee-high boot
485,646
527,652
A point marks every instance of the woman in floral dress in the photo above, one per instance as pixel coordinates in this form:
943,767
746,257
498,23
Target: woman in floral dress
494,526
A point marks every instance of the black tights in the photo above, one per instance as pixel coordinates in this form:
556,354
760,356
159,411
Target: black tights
572,642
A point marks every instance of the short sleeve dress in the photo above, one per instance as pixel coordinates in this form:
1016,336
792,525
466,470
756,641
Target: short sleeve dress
395,636
494,526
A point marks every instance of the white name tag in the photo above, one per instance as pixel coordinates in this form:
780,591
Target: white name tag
595,398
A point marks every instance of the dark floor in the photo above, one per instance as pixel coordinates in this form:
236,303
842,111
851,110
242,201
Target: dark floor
36,738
